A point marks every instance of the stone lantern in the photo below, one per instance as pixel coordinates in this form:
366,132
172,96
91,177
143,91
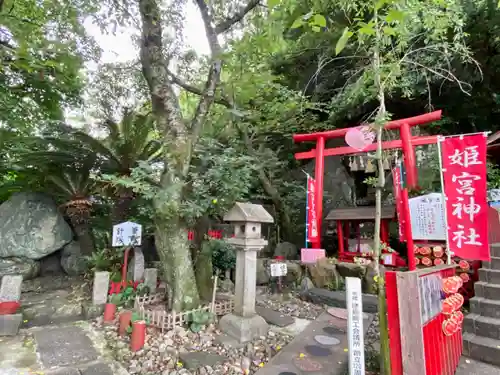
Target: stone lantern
244,324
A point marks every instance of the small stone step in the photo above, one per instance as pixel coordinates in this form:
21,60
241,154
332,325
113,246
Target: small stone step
494,263
482,348
495,250
482,326
487,290
485,307
489,276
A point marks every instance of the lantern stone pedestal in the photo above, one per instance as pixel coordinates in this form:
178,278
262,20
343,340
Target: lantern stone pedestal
245,324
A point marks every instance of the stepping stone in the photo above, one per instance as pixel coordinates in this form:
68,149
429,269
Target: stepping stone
63,371
193,360
97,369
307,365
326,340
338,313
317,351
334,331
274,317
64,346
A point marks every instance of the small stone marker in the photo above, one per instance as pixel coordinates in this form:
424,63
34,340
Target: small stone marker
100,288
138,264
10,289
150,279
326,340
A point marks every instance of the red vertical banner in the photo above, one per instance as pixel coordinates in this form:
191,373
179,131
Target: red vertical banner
464,177
312,214
396,180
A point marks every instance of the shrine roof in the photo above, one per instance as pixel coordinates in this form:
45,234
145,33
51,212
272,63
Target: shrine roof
360,213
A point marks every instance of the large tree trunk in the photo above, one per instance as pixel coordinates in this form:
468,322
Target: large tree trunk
122,202
84,237
173,249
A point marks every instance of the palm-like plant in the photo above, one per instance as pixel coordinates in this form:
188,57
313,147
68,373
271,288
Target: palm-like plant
127,142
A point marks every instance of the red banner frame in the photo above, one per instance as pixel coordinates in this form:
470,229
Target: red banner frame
312,213
464,178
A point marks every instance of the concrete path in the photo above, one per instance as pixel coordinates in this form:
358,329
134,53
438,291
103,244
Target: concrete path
321,348
56,350
471,367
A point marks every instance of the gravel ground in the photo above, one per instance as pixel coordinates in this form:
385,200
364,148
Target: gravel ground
162,352
290,304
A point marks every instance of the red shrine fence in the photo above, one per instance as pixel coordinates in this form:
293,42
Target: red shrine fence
424,331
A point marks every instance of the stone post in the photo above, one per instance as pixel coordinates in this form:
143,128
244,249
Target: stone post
244,324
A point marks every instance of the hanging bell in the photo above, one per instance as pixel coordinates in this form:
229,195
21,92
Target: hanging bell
370,168
361,162
386,165
352,164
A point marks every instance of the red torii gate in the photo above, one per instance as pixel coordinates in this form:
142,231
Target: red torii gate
406,142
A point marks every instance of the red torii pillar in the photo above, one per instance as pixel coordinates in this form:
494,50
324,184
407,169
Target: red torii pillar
406,142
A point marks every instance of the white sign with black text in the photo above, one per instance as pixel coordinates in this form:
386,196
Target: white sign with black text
355,326
278,269
127,234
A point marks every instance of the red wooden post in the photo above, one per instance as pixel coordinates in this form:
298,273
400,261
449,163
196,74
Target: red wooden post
109,312
318,189
393,323
409,155
340,234
124,322
412,263
125,265
138,337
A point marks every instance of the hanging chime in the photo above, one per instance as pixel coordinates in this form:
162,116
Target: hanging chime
370,167
387,166
353,165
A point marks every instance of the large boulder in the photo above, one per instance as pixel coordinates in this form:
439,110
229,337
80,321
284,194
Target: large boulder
72,260
351,270
263,276
31,227
28,268
286,249
324,274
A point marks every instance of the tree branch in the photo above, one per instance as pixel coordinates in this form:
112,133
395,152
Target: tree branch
229,22
195,90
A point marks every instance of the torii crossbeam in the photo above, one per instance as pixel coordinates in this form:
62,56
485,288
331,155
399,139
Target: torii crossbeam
406,143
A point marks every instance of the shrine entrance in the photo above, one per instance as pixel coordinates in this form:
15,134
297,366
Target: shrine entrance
406,143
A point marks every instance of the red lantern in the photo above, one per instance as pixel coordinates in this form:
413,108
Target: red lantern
426,261
417,261
416,249
463,264
449,328
465,277
438,251
438,262
448,307
425,250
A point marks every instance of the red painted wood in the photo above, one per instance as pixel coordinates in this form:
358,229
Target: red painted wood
395,124
318,192
346,150
393,323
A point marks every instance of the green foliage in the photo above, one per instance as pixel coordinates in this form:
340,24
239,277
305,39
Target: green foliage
42,50
199,319
223,254
105,259
219,176
493,175
127,297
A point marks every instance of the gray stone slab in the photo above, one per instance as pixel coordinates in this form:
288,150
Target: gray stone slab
274,317
322,296
305,355
471,367
64,346
63,371
9,324
194,360
100,288
10,288
97,369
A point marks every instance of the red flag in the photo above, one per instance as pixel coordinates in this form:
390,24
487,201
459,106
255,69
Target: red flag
464,176
396,180
312,214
